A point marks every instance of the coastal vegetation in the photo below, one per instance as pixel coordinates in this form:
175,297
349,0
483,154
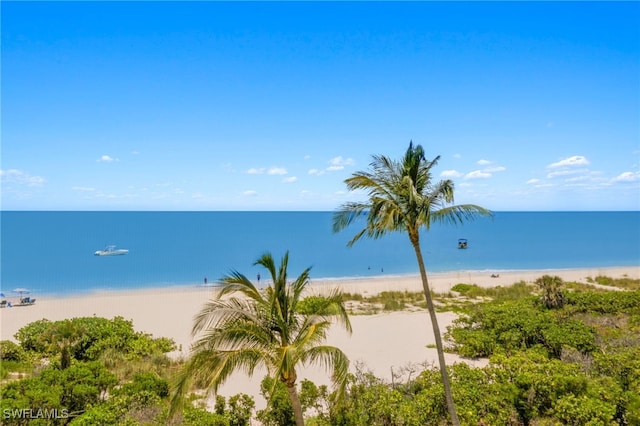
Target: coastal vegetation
578,364
402,197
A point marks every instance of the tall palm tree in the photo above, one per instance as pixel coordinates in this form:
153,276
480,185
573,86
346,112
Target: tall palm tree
263,329
402,197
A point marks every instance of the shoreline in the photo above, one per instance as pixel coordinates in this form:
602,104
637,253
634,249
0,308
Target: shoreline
436,276
144,305
382,341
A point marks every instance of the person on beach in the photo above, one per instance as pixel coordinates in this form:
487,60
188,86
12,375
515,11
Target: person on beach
205,280
258,277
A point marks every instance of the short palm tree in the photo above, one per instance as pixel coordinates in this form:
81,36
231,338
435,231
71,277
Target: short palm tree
61,338
402,197
552,296
263,329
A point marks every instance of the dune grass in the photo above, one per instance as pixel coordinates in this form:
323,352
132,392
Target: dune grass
625,282
463,295
386,301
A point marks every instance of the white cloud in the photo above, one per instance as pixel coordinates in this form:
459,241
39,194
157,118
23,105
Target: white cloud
271,171
578,179
477,174
339,161
335,164
457,156
485,173
106,159
83,188
495,169
20,177
277,171
561,173
290,179
576,160
250,193
627,177
533,181
107,196
450,174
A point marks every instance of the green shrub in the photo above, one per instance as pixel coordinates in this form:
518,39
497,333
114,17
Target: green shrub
393,305
514,326
201,417
279,411
316,304
583,410
87,338
357,297
605,302
147,381
469,290
10,351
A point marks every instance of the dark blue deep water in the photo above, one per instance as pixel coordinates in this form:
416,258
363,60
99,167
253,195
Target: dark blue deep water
52,252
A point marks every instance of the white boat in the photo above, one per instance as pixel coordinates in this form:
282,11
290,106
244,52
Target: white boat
111,251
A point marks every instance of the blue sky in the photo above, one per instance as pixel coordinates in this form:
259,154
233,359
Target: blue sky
270,106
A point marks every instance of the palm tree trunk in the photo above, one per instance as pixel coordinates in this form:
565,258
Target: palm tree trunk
295,403
436,332
65,358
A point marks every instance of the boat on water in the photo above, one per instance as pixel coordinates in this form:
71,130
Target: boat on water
111,251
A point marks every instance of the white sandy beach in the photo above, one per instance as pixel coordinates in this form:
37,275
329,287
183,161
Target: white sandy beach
382,342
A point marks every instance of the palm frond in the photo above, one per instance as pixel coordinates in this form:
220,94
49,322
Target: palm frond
237,282
266,261
180,385
282,271
235,336
216,312
460,214
330,358
287,361
211,369
335,301
297,287
313,330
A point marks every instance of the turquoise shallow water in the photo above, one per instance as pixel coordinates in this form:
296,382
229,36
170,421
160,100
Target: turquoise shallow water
52,252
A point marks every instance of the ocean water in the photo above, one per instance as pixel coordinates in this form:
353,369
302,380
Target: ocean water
52,252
